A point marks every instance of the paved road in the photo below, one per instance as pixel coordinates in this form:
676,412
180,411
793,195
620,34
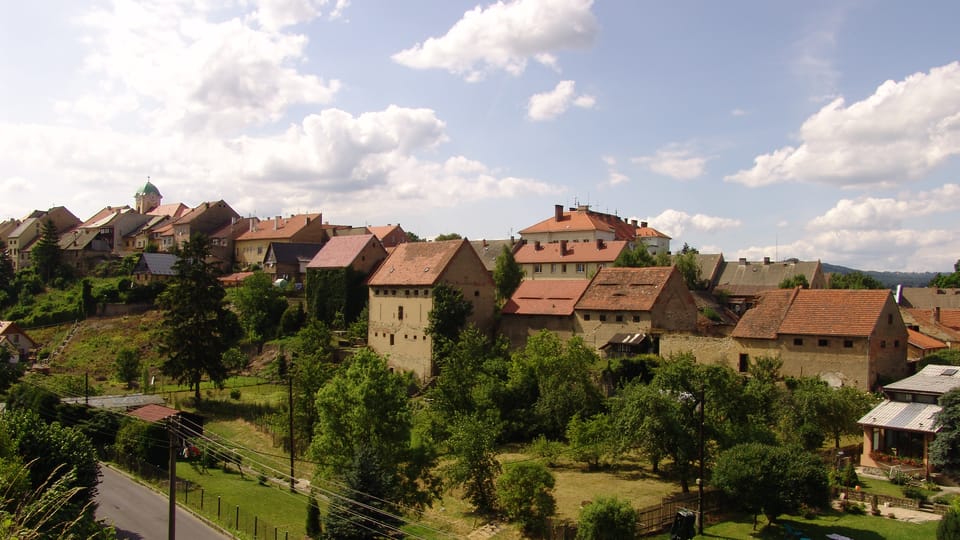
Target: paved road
139,513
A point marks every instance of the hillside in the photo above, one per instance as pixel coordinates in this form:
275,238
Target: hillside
889,279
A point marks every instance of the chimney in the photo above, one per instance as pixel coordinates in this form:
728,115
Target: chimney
512,241
633,222
643,224
234,220
276,222
558,212
484,242
563,248
253,224
743,261
536,246
766,260
306,220
936,314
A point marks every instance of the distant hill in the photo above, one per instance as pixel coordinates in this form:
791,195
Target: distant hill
889,279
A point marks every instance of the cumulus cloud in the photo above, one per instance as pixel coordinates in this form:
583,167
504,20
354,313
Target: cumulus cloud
614,176
549,105
887,213
675,222
277,14
675,162
899,133
504,36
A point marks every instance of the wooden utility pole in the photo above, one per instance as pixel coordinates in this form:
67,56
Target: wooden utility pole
172,518
703,406
290,406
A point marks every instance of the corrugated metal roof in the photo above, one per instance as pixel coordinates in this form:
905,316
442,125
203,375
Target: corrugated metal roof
118,402
903,416
933,379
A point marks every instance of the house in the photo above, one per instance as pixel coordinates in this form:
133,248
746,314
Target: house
16,341
567,260
928,297
920,345
164,214
100,238
489,250
899,430
846,337
22,239
579,224
627,310
251,246
336,276
656,241
361,253
7,227
742,281
289,261
389,235
541,305
938,323
401,298
153,267
223,241
205,218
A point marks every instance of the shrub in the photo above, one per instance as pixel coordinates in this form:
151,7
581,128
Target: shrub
235,394
913,492
547,450
607,518
856,509
313,518
525,493
897,476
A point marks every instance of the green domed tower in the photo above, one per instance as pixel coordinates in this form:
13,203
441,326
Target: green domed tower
148,197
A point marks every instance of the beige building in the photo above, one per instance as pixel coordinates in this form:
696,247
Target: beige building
656,241
205,219
389,235
567,260
401,298
546,304
250,247
16,341
846,337
100,238
579,224
22,239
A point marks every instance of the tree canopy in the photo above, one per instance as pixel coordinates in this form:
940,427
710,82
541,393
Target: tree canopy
854,280
792,282
447,236
945,450
46,252
449,313
507,274
948,281
261,304
197,326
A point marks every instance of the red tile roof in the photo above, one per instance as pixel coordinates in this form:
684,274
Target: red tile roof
650,232
419,263
948,317
154,413
923,341
341,251
584,219
575,252
279,228
820,312
173,210
763,320
546,297
626,289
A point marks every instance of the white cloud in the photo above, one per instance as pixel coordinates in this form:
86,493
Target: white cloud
675,222
275,15
675,162
887,213
504,36
900,133
549,105
614,176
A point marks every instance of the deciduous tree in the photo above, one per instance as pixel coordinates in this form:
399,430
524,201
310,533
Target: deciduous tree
854,280
261,305
127,366
474,464
945,450
607,518
525,494
449,313
507,274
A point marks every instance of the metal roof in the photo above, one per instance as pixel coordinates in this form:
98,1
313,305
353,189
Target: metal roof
933,379
128,401
903,416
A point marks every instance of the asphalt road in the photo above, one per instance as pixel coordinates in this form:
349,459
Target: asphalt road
139,513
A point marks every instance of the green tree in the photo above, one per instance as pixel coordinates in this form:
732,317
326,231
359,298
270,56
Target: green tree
448,315
949,527
261,304
7,292
607,518
945,450
688,264
143,441
311,366
474,464
46,252
197,326
635,257
127,366
947,281
854,280
414,237
592,440
472,378
507,274
313,518
10,372
293,319
365,420
447,236
798,280
815,411
772,480
525,494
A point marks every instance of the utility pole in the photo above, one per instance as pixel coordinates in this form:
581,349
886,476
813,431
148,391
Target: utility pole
703,406
290,406
172,518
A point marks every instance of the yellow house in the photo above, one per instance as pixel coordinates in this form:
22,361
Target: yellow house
251,247
567,260
401,298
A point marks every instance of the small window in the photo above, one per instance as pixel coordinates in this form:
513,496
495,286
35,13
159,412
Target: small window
399,313
476,293
798,341
619,318
426,292
848,344
407,292
391,339
743,363
823,342
586,316
603,317
889,318
636,318
581,268
393,292
563,269
896,344
406,336
537,268
883,344
416,292
553,268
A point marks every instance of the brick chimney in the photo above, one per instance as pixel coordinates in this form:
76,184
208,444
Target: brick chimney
600,243
558,212
766,260
643,224
936,314
742,261
536,245
276,222
633,222
563,248
253,224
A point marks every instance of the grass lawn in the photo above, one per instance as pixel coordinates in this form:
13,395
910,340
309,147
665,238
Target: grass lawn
852,526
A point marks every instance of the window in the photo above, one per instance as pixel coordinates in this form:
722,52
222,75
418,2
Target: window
393,292
619,318
848,344
883,344
603,317
426,292
476,293
391,339
896,344
581,268
586,316
537,268
553,268
399,313
743,363
636,318
889,318
563,269
416,292
823,342
798,341
407,292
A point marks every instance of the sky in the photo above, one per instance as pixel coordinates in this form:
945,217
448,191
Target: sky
822,130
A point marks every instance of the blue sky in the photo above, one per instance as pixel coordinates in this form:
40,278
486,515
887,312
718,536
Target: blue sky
817,130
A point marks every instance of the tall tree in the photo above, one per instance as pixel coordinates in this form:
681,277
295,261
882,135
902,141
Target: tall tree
525,494
46,252
127,365
945,450
449,313
6,276
261,304
473,463
507,274
197,326
688,264
363,437
815,410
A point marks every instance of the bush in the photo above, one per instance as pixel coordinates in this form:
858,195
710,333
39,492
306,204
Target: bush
913,492
547,450
607,518
235,394
856,509
949,528
525,493
897,476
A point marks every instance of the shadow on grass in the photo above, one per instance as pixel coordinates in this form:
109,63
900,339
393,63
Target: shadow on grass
741,526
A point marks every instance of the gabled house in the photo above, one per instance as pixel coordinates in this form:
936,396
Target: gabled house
22,239
205,218
920,345
336,276
16,341
938,323
579,224
567,260
743,281
541,305
251,246
7,227
656,241
899,430
289,261
153,267
362,253
401,298
489,250
627,310
928,297
389,235
846,337
223,241
100,238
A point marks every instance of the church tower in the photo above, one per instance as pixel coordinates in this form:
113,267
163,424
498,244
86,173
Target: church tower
148,197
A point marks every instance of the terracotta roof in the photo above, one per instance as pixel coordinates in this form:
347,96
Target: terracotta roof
382,231
627,289
235,278
835,312
173,210
546,297
924,319
418,263
763,320
650,232
948,317
233,230
748,278
923,341
489,250
584,219
153,413
279,228
574,252
340,251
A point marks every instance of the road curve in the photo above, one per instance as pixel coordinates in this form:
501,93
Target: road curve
139,513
